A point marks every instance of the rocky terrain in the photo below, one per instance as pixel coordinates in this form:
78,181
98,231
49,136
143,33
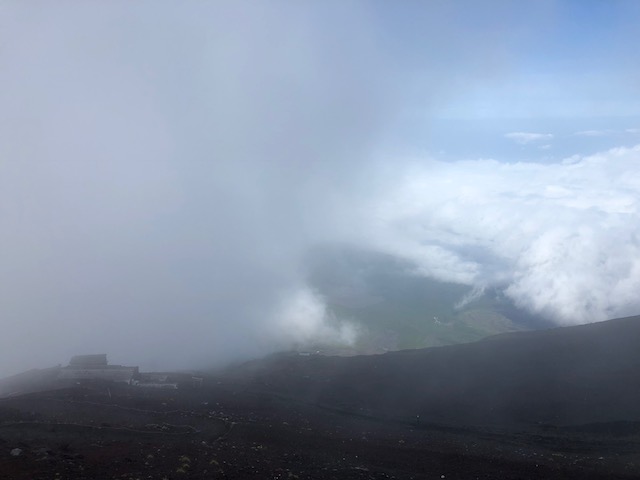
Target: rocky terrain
561,403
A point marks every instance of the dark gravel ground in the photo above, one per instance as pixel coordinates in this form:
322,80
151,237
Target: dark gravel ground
552,404
225,431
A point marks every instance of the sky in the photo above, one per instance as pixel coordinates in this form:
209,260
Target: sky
165,167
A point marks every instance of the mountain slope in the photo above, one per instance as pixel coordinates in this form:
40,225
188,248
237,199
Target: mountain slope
573,375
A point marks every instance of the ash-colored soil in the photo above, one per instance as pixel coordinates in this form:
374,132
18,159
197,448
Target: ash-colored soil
556,404
219,431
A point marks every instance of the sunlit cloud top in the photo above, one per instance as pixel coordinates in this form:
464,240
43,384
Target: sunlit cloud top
560,239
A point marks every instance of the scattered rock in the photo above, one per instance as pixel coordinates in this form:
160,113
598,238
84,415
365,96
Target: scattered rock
16,452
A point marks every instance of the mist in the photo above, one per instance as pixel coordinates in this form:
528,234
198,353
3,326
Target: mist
165,169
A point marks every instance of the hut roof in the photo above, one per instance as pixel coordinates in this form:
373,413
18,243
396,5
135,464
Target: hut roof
89,360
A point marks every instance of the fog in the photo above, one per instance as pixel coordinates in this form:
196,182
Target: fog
165,168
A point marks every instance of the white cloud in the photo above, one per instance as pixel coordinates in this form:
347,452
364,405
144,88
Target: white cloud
560,239
303,318
593,133
475,293
528,137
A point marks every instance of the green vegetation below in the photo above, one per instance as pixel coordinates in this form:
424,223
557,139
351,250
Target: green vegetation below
394,308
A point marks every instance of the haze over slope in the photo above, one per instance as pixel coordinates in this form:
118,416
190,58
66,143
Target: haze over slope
563,376
165,169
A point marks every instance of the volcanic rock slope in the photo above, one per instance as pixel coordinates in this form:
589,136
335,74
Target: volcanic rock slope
562,376
556,404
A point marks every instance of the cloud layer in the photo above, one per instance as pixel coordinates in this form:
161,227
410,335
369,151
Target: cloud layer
528,137
561,240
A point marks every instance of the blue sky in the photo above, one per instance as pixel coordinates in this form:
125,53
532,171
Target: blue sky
566,59
558,67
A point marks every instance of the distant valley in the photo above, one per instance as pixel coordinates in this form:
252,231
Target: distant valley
394,308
